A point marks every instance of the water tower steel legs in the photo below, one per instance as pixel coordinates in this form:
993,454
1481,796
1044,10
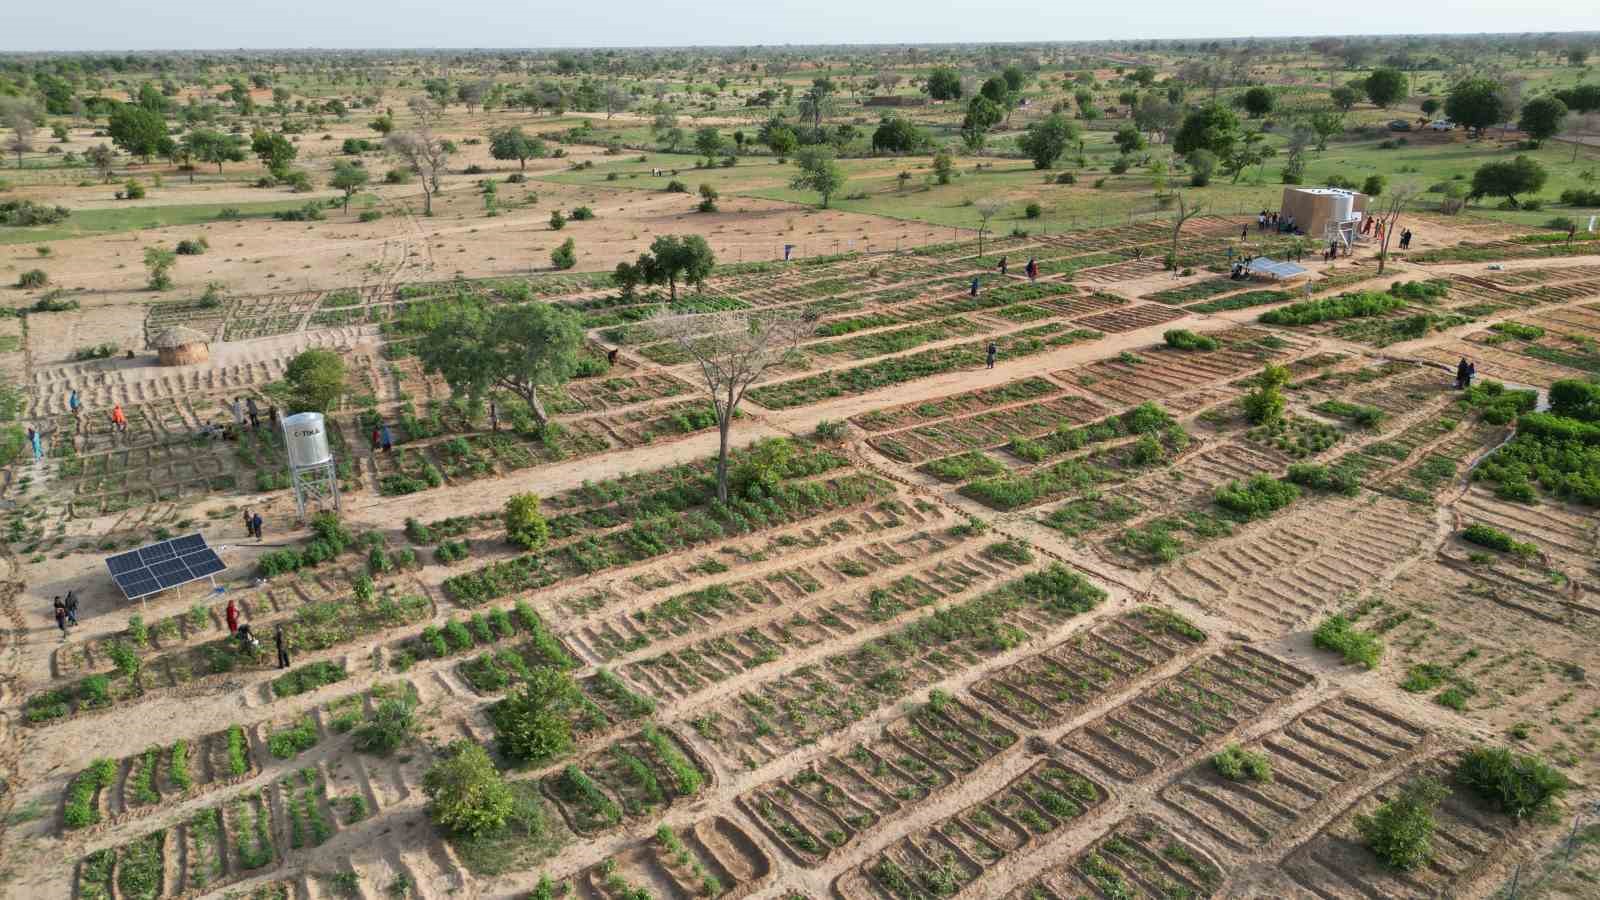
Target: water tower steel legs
318,485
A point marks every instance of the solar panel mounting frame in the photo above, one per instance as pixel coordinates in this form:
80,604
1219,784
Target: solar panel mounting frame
163,565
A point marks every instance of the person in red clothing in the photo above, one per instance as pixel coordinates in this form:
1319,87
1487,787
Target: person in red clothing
233,616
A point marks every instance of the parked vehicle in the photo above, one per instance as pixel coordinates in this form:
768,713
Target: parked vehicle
1399,125
1442,125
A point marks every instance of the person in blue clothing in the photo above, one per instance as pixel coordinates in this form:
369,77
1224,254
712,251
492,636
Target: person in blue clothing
74,404
38,446
974,285
385,439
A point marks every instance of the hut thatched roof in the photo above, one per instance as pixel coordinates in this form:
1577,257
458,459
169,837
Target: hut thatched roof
179,335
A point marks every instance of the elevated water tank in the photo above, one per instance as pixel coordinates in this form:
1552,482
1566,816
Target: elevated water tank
1344,205
305,435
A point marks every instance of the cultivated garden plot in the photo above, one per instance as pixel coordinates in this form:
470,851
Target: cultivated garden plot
1169,722
1327,754
1467,840
1141,858
947,857
1164,373
636,776
1048,688
712,858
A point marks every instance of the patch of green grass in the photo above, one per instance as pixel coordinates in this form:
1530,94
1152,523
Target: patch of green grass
1357,647
84,222
1235,763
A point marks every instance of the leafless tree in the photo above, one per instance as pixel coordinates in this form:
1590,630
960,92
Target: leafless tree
1186,211
425,109
1394,202
889,81
617,99
733,351
18,115
987,209
426,155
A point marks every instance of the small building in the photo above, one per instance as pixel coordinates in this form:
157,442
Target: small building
181,345
1325,214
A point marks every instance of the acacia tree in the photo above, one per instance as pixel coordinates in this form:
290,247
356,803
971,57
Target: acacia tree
1394,203
18,115
818,172
517,348
733,350
425,155
348,178
514,143
103,158
210,146
673,258
1185,213
987,208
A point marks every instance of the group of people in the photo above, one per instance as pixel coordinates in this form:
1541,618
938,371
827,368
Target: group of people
1277,222
247,640
383,440
1031,270
1466,370
66,612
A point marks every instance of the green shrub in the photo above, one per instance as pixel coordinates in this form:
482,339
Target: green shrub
466,794
1345,306
1520,786
391,723
80,810
1238,764
1495,539
1400,832
1184,339
526,526
33,278
307,678
1357,647
1257,498
294,740
534,723
1336,479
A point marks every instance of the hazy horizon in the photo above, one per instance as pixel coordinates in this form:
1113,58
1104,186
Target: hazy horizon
102,26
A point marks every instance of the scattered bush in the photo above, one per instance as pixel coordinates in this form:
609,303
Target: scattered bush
1337,634
1495,539
26,213
1184,339
526,526
1520,786
582,214
1336,479
193,247
1257,498
1400,832
370,215
466,794
1345,306
390,725
676,187
33,278
1238,764
565,256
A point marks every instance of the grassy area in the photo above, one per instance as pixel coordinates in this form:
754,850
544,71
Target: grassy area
84,222
873,186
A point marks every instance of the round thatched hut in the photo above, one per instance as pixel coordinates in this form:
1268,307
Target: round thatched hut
182,346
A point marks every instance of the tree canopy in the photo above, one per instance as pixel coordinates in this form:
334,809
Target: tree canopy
1046,139
944,83
466,793
138,131
1475,103
1385,86
1542,118
897,135
1211,127
513,143
1508,178
818,172
214,147
518,348
316,381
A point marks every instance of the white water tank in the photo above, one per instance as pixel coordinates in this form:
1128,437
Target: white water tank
305,435
1344,205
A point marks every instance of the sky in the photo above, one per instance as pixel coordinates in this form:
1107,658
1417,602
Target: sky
108,25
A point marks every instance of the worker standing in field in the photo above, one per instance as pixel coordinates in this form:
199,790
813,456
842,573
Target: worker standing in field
232,616
119,419
238,414
283,647
61,617
1002,265
255,525
993,351
385,438
74,404
38,446
974,290
1033,268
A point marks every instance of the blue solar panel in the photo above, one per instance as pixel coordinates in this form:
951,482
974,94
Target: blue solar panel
164,565
189,543
155,553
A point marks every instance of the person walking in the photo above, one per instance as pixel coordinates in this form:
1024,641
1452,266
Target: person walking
238,413
61,617
255,525
249,528
74,404
38,445
283,647
1002,265
72,607
1472,372
255,413
232,615
1244,232
385,438
1461,373
119,419
974,289
992,353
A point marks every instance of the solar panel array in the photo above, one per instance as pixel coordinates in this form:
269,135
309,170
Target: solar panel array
164,565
